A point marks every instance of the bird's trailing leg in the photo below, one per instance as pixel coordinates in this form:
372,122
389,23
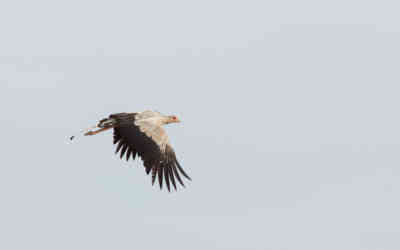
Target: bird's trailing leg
89,131
97,131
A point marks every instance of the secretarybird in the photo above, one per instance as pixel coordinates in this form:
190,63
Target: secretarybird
142,135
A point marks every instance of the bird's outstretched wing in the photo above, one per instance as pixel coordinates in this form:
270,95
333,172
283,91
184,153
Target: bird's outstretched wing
150,142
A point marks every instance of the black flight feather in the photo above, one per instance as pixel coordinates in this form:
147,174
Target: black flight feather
132,141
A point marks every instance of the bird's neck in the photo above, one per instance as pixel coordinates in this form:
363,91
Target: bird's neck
160,120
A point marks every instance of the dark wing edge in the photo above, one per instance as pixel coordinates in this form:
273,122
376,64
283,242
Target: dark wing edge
163,166
166,169
171,166
122,120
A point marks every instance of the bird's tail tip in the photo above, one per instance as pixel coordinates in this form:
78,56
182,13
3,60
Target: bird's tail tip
83,132
103,125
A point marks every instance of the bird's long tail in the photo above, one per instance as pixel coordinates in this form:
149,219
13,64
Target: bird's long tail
103,125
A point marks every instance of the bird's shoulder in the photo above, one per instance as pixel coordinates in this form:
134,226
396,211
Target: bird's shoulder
147,114
153,130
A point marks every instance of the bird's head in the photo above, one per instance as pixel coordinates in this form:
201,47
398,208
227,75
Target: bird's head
172,119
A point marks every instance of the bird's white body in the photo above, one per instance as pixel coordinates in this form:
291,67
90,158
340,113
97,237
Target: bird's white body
141,134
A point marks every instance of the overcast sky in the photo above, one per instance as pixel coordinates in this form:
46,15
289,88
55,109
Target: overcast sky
290,125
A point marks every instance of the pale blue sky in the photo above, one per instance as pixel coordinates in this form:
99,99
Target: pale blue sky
290,125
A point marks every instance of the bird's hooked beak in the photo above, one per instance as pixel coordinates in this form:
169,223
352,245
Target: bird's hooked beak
174,119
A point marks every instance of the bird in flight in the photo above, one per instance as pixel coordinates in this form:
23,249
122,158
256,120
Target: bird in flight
142,135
